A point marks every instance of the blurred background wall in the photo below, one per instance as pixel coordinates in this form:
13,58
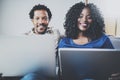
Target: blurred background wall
14,18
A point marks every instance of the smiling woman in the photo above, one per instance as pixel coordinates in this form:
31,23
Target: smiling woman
84,28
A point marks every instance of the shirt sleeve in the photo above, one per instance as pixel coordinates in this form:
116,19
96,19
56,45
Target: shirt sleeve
62,43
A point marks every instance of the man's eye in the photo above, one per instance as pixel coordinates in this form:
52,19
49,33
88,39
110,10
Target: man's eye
37,18
45,18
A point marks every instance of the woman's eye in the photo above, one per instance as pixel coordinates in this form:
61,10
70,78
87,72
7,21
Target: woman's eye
80,16
89,17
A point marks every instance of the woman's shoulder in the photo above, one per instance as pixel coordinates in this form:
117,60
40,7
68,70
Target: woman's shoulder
64,42
101,40
107,42
64,38
104,37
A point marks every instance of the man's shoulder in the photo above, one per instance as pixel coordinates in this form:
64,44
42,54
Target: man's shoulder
52,30
29,33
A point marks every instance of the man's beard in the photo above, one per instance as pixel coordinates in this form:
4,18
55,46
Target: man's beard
36,30
43,31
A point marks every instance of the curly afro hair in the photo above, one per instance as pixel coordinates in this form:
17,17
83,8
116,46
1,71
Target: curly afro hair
95,30
40,7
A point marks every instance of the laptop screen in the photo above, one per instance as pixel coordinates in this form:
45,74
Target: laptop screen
20,55
77,64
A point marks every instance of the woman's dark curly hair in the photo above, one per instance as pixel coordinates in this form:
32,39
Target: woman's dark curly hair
95,30
40,7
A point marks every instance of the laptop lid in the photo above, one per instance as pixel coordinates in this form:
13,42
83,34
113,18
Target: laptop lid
20,55
77,64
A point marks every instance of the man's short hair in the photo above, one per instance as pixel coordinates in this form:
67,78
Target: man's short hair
40,7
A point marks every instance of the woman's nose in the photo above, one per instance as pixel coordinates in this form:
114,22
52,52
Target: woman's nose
84,19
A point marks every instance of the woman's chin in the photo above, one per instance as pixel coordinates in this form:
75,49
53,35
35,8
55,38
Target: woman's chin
83,29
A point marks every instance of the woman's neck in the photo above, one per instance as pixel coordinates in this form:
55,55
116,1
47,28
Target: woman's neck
81,39
81,36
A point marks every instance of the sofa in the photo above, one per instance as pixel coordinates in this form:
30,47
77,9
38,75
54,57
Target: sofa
115,41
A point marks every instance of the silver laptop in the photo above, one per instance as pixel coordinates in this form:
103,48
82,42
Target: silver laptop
80,64
20,55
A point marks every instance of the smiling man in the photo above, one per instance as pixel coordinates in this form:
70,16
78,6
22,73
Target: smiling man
40,16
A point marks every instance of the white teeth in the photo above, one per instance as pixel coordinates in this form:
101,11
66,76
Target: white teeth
84,24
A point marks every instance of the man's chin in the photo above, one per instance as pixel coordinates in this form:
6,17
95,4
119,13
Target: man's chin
42,32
